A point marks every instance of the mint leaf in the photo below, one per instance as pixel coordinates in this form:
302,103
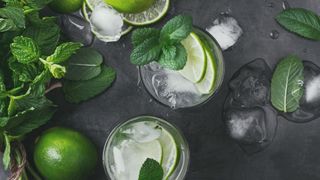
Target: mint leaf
173,57
287,84
140,35
84,65
77,91
25,72
30,120
146,52
33,98
300,21
57,70
176,29
11,19
45,33
7,151
151,170
63,52
25,50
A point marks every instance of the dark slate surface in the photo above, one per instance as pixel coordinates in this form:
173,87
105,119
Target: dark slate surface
293,155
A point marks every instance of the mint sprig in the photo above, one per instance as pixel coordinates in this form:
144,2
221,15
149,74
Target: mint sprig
163,46
151,170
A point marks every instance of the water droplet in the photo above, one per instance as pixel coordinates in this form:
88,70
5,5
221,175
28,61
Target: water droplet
274,34
285,5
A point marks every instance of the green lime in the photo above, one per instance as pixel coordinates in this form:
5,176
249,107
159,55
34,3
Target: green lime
65,6
170,153
149,16
195,68
64,154
130,6
206,85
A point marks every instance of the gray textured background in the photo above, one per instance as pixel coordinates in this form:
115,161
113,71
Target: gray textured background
294,153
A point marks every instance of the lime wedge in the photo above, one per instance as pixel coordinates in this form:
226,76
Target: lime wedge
130,155
195,67
149,16
170,153
206,85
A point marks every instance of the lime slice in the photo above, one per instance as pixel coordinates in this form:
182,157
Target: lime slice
206,85
130,155
149,16
170,153
85,12
93,3
195,67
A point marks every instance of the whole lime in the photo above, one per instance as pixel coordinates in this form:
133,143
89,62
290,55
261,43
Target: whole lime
65,6
130,6
64,154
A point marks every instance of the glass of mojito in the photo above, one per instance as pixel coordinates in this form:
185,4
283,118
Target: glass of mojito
131,143
197,82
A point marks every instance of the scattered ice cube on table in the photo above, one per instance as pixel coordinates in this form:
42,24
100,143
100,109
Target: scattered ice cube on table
76,29
143,132
225,30
170,87
252,128
250,86
247,126
250,119
310,103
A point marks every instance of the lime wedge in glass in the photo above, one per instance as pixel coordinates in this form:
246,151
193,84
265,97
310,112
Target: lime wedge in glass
206,85
130,155
195,67
170,157
149,16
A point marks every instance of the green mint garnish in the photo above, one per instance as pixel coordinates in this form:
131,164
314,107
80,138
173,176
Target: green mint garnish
287,84
151,170
300,21
162,46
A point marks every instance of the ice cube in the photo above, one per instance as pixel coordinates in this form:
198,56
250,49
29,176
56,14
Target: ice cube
225,30
250,119
310,102
76,29
250,86
247,125
143,132
170,87
106,23
252,128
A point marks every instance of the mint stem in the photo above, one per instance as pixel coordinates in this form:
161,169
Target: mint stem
53,86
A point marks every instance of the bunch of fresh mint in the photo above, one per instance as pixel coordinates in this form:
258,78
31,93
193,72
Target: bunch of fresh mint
163,46
33,59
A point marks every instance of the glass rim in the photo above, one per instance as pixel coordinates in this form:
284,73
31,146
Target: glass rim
114,130
218,86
